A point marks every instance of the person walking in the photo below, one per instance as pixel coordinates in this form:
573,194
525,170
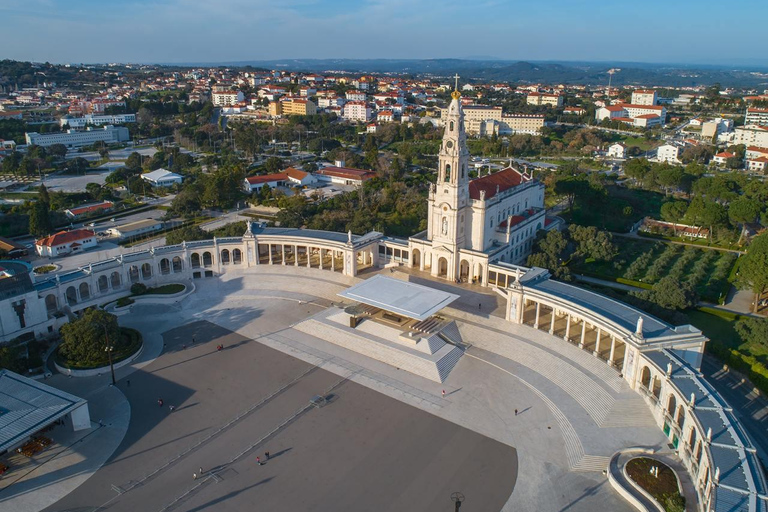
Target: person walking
171,407
200,471
266,455
480,306
258,461
443,393
160,402
128,383
515,412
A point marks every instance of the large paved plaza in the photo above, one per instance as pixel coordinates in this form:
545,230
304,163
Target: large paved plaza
387,439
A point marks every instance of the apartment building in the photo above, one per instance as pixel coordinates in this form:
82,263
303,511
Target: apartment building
543,98
756,115
73,138
356,111
227,98
644,97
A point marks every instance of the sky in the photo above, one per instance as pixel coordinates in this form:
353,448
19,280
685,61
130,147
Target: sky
169,31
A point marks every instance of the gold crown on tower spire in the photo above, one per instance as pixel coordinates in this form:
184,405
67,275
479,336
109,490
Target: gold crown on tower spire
455,95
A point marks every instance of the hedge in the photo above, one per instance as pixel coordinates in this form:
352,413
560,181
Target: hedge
132,343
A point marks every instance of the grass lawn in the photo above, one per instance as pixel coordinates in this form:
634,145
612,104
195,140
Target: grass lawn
640,142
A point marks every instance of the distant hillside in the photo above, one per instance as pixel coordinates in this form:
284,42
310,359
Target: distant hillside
548,72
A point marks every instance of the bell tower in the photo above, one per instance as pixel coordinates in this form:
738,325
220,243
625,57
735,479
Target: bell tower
450,196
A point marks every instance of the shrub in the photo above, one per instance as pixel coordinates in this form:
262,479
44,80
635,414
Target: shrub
138,289
124,301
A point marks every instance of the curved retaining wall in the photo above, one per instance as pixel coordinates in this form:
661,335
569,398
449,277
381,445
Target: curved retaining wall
98,371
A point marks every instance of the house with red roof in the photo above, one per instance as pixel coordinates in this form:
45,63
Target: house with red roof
720,158
88,209
290,177
343,175
66,242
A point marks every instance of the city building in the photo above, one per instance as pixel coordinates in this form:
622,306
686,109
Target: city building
542,98
66,242
617,150
668,153
339,175
356,111
751,135
759,164
355,96
162,178
87,209
756,152
11,249
297,107
644,97
137,228
720,158
226,98
74,138
713,128
638,115
290,177
574,111
96,120
755,115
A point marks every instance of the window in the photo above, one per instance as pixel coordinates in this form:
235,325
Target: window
451,128
447,172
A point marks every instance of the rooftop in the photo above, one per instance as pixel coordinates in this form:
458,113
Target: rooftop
401,297
27,405
495,183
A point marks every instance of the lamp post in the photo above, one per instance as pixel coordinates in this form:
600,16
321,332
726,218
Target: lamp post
457,498
108,349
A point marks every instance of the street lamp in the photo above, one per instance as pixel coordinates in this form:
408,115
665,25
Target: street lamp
457,498
108,349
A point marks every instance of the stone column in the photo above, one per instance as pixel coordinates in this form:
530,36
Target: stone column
296,255
422,257
269,249
283,249
613,349
552,322
567,327
538,312
321,258
583,333
597,342
333,260
308,253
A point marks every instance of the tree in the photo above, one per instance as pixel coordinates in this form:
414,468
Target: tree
57,150
753,270
669,293
744,210
673,211
548,253
40,219
44,197
84,339
753,330
273,164
187,234
591,243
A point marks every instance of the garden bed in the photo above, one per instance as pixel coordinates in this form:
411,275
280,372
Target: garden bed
130,344
44,269
664,488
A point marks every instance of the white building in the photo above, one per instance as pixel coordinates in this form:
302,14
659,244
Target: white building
756,115
162,178
474,223
95,120
357,111
66,242
137,228
668,153
646,115
541,98
73,138
751,135
227,98
722,157
616,150
644,97
290,177
355,96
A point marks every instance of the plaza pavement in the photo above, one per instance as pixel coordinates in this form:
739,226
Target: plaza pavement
574,411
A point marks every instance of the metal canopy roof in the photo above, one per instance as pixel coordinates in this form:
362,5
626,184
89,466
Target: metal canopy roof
26,406
401,297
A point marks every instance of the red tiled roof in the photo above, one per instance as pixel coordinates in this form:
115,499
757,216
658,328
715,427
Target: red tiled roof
346,172
502,180
295,173
647,116
255,180
725,154
91,208
65,237
614,108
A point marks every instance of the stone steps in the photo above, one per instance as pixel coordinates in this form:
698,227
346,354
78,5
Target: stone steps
435,367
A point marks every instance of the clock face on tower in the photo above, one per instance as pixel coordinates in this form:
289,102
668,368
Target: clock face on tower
449,144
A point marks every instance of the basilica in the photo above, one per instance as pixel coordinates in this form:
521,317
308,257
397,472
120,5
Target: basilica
474,222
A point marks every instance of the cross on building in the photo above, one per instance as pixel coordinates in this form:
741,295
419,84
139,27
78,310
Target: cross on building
456,87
